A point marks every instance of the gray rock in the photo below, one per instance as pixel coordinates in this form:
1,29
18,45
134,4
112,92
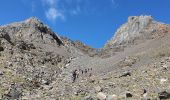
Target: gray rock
126,73
1,49
126,94
89,97
98,88
14,93
1,73
164,95
112,97
101,96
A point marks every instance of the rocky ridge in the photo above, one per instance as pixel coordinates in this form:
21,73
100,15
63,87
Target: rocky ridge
137,30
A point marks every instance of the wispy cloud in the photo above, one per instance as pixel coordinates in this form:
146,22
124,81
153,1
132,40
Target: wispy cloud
61,9
52,14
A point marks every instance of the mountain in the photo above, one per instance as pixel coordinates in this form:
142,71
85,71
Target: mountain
30,52
86,50
36,63
136,30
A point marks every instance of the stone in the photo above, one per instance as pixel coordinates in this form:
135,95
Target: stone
45,82
146,98
14,93
164,95
67,65
92,80
1,73
126,94
101,96
25,98
1,48
88,97
112,97
144,93
126,73
98,89
163,80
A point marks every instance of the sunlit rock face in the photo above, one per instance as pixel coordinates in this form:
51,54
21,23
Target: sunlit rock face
130,30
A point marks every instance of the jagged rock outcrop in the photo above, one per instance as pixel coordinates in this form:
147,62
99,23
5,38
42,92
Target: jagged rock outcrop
129,31
137,27
136,30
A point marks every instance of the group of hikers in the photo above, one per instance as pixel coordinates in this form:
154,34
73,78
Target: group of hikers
77,72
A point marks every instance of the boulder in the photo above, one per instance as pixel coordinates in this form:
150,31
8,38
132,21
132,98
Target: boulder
101,96
112,97
126,94
1,73
1,48
126,73
164,95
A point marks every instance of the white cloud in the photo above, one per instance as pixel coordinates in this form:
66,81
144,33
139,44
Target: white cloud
52,14
60,9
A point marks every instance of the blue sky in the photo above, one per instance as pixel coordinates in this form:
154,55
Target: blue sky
91,21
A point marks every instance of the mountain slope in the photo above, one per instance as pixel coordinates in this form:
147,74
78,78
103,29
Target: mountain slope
138,29
36,63
31,55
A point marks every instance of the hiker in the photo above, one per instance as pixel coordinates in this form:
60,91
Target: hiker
85,71
82,72
91,69
74,74
90,74
88,69
77,74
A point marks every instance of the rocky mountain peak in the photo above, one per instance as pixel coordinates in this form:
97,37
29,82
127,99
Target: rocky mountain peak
33,20
142,19
136,30
31,30
131,30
